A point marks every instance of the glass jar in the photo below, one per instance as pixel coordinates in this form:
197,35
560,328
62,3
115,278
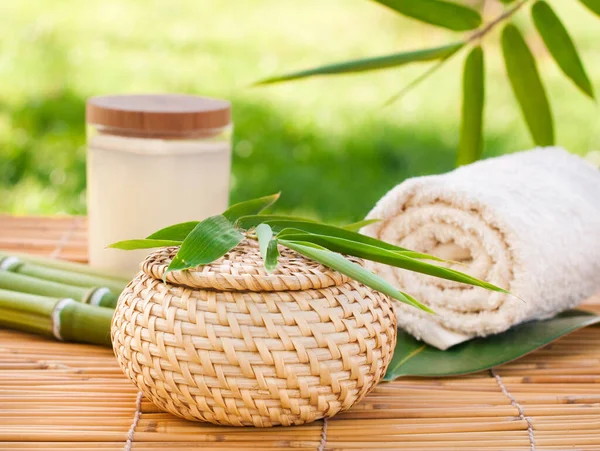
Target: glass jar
152,161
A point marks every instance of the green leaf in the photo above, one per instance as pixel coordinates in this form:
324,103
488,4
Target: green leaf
280,226
437,12
469,148
415,358
265,235
387,257
176,232
210,240
592,5
272,256
129,245
527,86
354,271
559,44
369,64
250,207
356,226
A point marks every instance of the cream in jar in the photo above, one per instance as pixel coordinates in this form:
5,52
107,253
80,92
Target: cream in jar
153,161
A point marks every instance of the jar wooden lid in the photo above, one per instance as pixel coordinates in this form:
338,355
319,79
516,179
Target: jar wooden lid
242,269
158,114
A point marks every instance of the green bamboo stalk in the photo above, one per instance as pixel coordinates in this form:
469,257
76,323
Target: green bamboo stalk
64,318
86,323
67,266
26,284
63,276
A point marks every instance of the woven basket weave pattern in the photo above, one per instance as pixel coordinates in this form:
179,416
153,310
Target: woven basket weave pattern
260,358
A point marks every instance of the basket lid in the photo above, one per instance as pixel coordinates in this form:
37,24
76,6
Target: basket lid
242,269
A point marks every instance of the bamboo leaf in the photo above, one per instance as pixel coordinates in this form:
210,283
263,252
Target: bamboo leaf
592,5
559,44
272,256
250,207
387,257
437,12
527,86
265,235
354,271
129,245
415,358
210,240
469,148
176,232
356,226
293,226
369,64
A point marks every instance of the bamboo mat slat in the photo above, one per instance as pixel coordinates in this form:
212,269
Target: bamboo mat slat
58,396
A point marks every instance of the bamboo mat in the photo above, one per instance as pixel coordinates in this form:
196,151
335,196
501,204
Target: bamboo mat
68,396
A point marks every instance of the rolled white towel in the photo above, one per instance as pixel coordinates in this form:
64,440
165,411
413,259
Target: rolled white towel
527,222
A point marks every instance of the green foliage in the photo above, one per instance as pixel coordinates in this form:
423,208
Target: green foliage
470,145
560,45
129,245
215,236
520,63
437,12
414,358
527,86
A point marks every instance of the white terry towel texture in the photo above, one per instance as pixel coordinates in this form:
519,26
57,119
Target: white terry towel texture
527,222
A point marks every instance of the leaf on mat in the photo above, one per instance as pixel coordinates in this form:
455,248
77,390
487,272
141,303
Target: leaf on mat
250,207
415,358
356,272
368,64
527,86
592,5
445,14
210,240
469,148
129,245
560,45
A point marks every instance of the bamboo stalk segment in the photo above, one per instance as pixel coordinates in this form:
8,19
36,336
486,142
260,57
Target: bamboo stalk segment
59,396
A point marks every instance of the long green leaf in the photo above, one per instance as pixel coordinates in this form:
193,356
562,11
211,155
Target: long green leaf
387,257
210,240
369,64
250,207
279,225
415,358
129,245
352,270
560,45
437,12
356,226
592,5
176,232
527,86
469,148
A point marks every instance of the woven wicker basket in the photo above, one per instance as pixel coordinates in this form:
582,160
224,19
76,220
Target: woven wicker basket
230,344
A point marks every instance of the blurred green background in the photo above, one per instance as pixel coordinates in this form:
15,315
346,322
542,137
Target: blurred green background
328,144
